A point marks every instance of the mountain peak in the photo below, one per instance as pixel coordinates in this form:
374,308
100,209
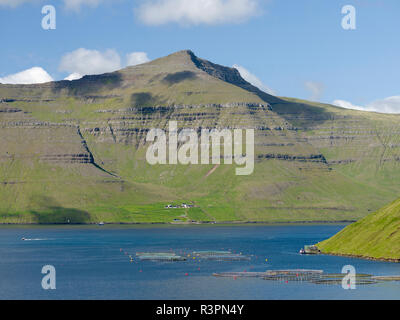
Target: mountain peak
230,75
188,60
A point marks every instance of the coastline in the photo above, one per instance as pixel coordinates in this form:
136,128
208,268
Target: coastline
362,257
184,223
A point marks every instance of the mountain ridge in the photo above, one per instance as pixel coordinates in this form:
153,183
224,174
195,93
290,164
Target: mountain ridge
313,161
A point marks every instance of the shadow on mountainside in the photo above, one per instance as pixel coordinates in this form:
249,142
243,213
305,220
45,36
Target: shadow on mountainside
302,115
92,84
48,212
177,77
143,99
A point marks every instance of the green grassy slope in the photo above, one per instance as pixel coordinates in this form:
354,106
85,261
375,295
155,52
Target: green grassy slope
375,236
80,145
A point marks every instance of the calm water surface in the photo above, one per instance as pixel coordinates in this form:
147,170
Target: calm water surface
90,265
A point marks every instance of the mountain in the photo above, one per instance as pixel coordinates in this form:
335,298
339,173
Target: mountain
377,236
75,150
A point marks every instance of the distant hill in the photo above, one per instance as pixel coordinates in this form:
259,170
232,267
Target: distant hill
75,150
376,236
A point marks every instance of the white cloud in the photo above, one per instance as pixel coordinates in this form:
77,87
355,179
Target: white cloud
73,76
347,105
135,58
30,76
83,61
316,89
386,105
195,12
249,77
75,5
78,63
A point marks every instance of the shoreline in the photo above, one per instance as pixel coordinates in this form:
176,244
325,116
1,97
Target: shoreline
362,257
182,223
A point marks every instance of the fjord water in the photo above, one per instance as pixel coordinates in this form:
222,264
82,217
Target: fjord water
90,265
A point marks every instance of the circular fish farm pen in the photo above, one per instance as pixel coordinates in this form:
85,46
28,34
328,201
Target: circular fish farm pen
220,256
311,276
277,275
210,253
337,279
196,255
159,256
227,257
386,278
293,275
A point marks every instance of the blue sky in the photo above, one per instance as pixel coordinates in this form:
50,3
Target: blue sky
295,48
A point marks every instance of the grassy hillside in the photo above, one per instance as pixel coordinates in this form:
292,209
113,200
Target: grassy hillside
75,150
376,236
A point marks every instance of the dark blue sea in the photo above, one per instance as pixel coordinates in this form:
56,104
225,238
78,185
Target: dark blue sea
89,263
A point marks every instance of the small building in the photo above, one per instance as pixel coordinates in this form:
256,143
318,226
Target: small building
186,206
311,249
183,205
